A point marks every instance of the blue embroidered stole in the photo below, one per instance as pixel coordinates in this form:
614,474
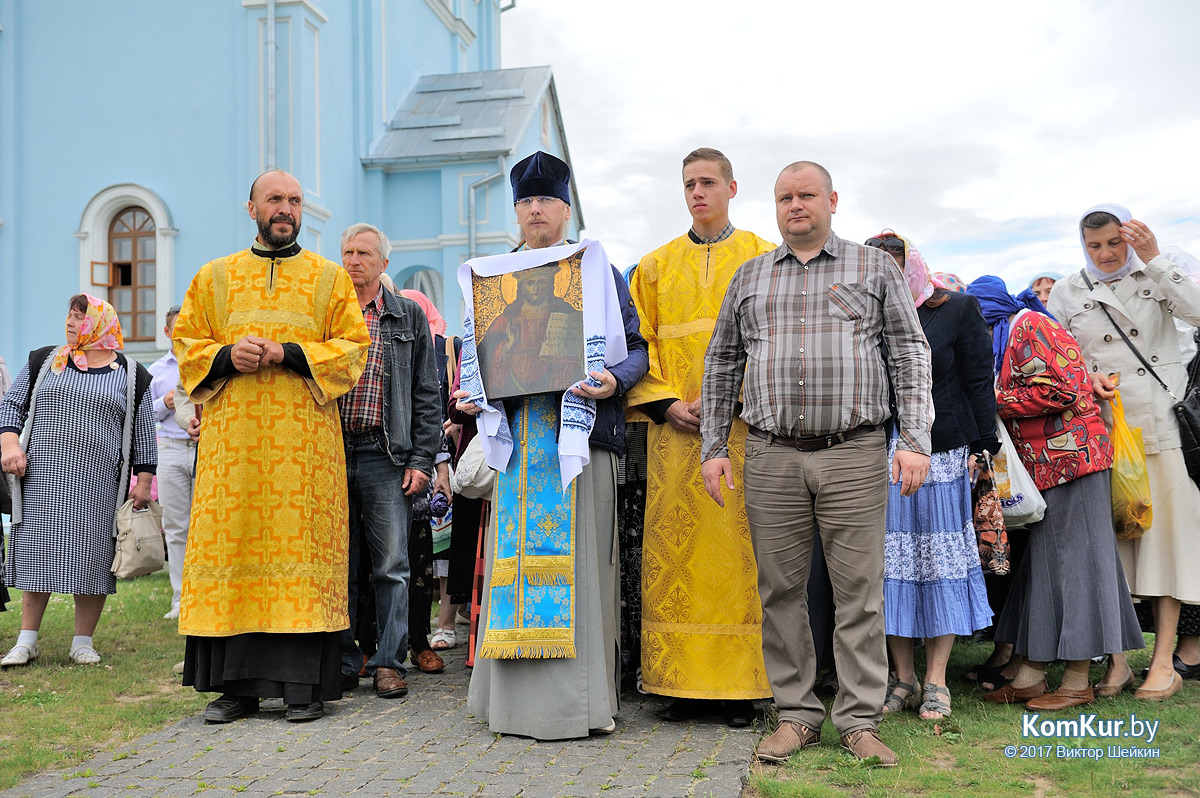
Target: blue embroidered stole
531,596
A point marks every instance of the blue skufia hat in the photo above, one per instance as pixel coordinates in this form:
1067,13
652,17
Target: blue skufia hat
541,175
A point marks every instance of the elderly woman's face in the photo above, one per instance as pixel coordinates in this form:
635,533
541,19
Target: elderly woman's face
74,319
1105,247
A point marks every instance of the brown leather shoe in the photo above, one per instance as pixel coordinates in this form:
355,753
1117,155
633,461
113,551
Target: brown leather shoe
789,738
428,661
389,683
1061,698
1114,688
865,743
1142,694
1015,695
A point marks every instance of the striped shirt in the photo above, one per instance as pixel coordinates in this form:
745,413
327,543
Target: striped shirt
803,344
362,407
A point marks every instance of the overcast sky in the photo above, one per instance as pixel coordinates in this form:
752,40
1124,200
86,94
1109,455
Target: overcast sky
981,131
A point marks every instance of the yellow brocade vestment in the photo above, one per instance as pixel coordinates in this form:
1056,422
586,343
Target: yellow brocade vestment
267,545
701,614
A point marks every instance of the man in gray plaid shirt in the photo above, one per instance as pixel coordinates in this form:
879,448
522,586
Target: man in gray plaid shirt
816,336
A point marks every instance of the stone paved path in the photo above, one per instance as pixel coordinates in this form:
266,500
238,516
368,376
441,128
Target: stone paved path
421,745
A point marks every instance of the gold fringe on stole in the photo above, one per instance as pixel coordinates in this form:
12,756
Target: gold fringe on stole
537,571
527,651
529,644
544,570
504,572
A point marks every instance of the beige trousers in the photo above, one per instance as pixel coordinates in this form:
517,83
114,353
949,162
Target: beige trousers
176,479
842,492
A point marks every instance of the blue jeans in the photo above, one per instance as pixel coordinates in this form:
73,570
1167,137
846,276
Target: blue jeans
380,515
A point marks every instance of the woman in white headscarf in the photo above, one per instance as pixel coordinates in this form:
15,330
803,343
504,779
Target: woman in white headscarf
1143,293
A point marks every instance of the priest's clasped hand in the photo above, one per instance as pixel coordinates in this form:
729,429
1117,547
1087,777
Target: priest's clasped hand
685,416
251,352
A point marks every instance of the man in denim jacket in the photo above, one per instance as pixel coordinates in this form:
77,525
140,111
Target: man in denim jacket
392,426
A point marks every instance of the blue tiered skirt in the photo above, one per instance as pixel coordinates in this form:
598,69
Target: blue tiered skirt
932,581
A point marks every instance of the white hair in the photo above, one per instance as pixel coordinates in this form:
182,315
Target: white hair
385,246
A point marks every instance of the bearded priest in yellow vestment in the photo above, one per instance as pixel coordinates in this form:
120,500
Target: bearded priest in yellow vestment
701,615
267,340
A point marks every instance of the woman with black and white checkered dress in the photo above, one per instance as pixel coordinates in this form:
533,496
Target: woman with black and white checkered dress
69,473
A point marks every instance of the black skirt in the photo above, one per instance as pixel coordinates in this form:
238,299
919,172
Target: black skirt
464,539
1189,618
299,667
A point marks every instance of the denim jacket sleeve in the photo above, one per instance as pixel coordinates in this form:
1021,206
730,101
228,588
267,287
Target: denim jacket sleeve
426,398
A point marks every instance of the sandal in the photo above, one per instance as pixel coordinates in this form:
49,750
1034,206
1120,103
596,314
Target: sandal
443,639
895,703
991,679
20,654
934,703
85,655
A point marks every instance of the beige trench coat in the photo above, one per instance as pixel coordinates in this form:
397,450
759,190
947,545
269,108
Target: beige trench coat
1145,304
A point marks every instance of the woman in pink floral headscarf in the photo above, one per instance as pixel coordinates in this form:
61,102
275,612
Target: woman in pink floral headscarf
63,444
951,282
933,585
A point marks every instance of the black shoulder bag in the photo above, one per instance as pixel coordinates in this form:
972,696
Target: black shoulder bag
1187,412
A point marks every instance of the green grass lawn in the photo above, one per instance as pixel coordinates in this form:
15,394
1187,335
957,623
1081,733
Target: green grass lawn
54,714
965,754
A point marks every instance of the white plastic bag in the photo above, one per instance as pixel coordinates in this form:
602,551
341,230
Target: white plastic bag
1020,500
473,478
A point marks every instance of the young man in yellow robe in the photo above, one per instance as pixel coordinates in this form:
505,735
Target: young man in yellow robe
701,615
267,340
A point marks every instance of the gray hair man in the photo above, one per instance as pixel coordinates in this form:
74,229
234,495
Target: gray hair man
391,429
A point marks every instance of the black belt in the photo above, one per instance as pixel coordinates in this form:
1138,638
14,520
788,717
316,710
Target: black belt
816,443
356,437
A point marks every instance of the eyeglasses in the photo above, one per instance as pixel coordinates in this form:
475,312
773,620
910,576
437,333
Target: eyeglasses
525,202
892,245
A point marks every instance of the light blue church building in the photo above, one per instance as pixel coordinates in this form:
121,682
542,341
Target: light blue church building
130,133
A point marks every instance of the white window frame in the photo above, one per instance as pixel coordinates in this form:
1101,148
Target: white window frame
94,225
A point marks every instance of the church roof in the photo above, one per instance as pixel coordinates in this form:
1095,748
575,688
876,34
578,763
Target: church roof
464,116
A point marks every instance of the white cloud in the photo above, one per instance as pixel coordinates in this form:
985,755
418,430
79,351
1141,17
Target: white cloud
979,130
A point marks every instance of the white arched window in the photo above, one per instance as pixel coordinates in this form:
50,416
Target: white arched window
425,280
103,273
